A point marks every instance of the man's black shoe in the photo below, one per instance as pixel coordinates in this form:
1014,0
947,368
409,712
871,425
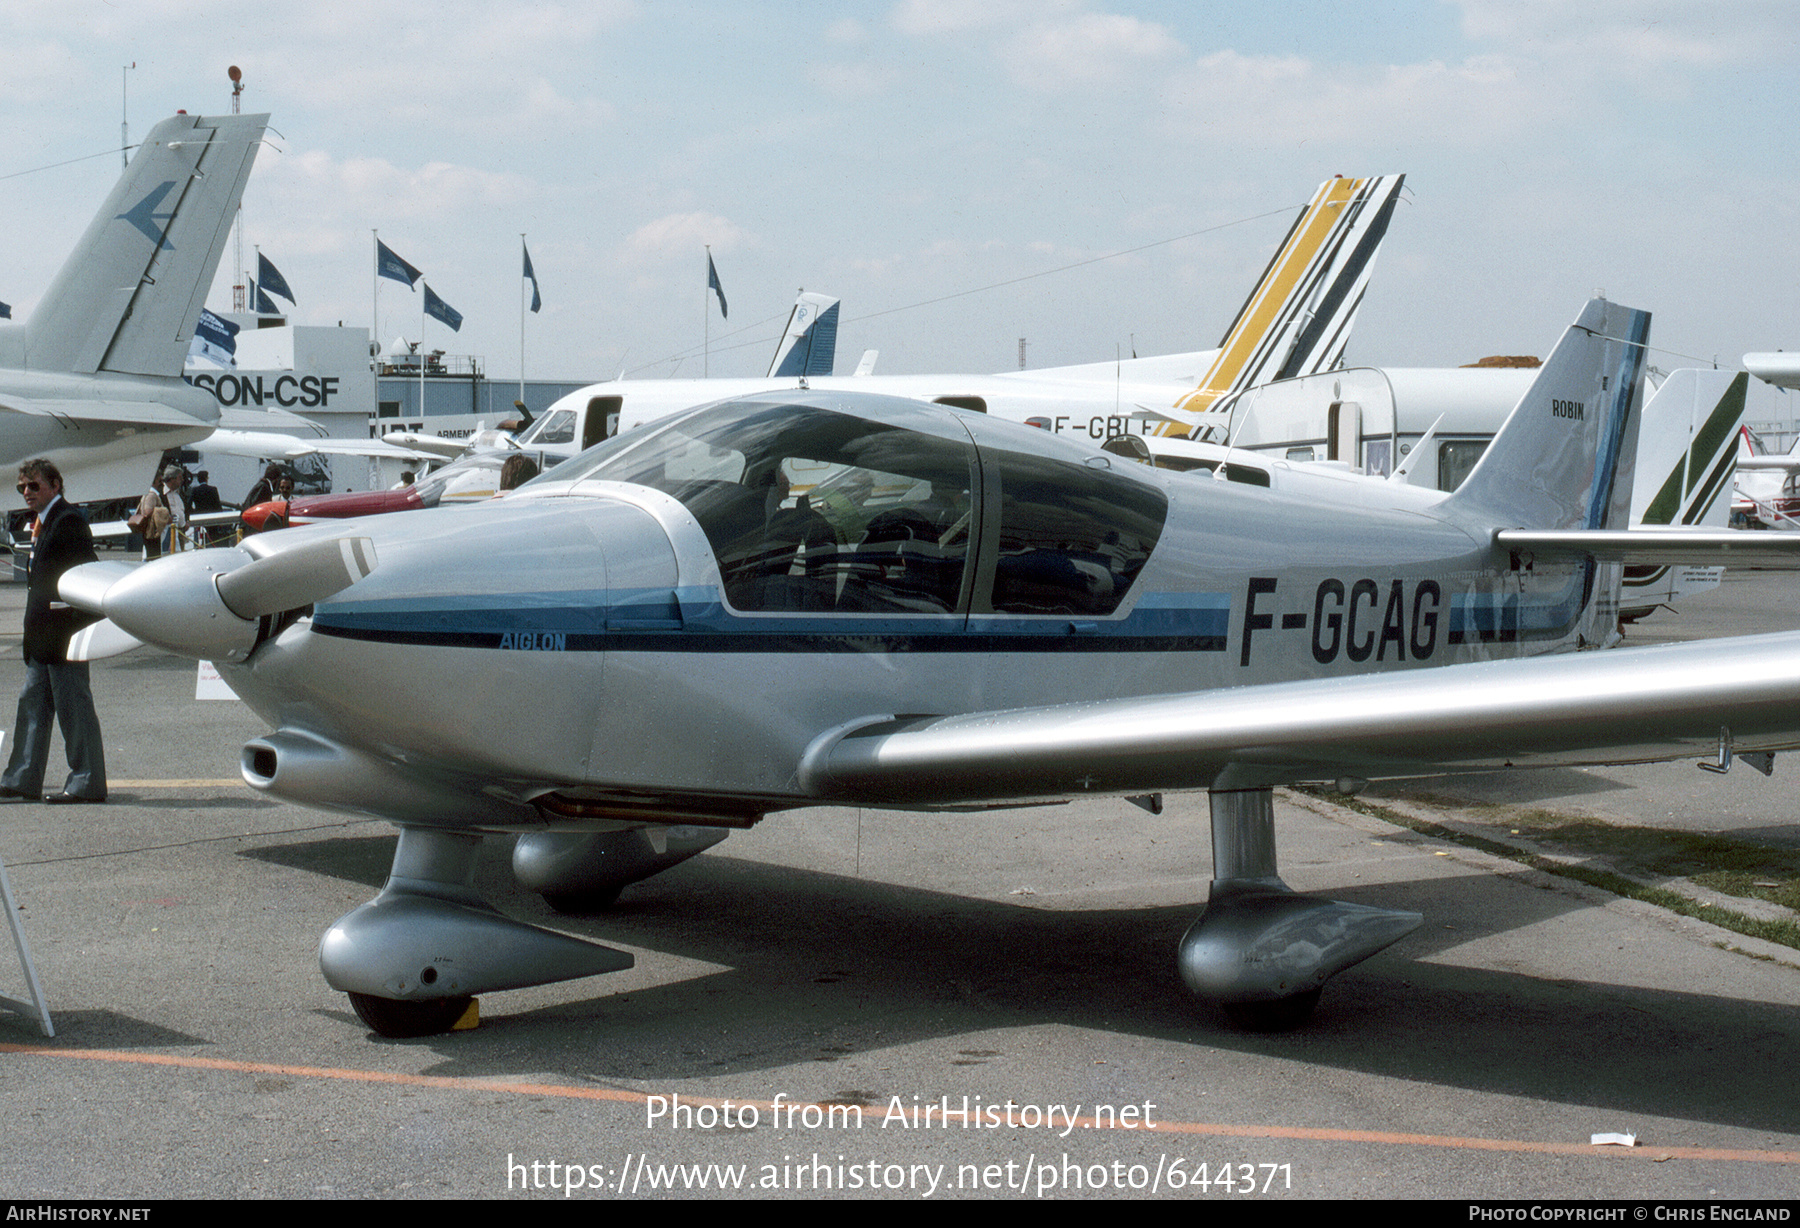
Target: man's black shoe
69,799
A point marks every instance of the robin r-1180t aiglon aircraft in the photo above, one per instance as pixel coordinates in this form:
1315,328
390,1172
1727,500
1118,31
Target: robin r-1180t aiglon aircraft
803,598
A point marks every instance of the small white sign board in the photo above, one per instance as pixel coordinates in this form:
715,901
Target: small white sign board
210,686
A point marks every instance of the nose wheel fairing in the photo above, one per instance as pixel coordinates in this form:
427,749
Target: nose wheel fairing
1261,951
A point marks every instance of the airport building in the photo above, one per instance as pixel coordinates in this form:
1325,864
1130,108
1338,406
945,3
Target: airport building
287,378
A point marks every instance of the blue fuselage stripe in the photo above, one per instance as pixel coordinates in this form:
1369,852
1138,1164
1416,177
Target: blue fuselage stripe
698,623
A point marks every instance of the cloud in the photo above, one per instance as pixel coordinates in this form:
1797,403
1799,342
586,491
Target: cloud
1631,36
850,81
846,31
941,17
1273,100
680,235
1090,49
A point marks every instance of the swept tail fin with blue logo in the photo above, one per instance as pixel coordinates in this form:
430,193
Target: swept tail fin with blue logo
129,295
808,345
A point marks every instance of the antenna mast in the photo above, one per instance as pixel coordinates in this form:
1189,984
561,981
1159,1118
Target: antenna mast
237,291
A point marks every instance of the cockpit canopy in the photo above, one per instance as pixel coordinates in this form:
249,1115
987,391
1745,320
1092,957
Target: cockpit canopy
877,505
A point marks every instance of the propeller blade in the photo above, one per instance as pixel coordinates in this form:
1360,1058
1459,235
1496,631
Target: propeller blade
84,587
296,577
100,640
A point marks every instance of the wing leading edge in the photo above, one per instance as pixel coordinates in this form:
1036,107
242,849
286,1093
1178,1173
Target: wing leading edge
1621,706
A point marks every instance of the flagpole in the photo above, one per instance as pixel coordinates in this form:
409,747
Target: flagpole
375,301
706,316
521,326
421,354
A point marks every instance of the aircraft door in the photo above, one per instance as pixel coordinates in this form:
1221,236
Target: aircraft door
601,421
1344,433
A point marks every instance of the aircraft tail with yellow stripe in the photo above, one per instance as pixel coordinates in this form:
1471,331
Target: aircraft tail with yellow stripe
1298,318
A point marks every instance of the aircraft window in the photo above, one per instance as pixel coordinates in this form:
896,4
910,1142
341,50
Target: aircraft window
558,427
1249,475
1072,540
812,510
466,479
1456,457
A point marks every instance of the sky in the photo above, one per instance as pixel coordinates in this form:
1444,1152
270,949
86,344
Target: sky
934,162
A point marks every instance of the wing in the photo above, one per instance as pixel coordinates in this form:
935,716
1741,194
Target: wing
1619,706
260,445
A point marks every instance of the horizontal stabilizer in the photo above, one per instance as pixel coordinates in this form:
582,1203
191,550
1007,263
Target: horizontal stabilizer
1660,545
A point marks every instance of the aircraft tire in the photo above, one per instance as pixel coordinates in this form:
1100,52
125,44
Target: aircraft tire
583,903
405,1020
1280,1015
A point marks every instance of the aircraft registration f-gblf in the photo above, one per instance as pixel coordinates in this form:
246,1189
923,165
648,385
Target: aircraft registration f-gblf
853,599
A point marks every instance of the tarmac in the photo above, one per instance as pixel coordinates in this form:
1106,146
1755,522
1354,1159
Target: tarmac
803,991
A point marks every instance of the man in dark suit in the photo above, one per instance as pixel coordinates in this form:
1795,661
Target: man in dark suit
56,689
204,496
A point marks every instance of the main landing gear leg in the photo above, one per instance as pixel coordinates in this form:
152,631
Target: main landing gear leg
1261,951
583,872
412,958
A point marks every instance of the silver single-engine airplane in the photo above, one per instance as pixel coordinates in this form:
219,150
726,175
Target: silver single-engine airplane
864,600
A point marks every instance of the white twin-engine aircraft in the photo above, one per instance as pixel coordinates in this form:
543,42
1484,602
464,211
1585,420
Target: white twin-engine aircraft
1296,321
852,599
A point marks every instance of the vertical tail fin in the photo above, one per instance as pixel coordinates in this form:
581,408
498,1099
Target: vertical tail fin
1687,448
1565,456
1298,318
809,344
127,298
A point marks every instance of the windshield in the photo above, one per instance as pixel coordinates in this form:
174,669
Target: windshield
467,479
557,427
811,509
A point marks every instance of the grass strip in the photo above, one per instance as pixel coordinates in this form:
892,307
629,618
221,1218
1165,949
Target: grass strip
1718,863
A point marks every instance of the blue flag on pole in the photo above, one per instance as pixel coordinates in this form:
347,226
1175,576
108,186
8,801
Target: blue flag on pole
712,283
389,265
536,300
5,311
261,303
215,339
270,279
438,309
